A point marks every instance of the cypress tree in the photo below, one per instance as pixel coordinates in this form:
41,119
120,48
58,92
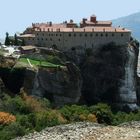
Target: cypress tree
7,40
15,40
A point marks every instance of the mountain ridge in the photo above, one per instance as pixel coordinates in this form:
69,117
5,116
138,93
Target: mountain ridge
131,22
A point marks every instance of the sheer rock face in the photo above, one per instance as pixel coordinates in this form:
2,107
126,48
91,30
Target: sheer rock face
109,75
2,86
60,85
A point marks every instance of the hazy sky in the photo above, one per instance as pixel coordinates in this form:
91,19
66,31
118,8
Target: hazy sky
16,15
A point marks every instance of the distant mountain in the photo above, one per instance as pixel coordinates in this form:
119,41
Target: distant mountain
131,22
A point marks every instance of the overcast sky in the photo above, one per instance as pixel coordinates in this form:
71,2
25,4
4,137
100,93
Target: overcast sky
16,15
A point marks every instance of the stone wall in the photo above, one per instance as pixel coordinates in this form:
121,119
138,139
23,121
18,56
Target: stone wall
68,40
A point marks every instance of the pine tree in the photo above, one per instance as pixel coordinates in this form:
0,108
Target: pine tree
15,40
7,40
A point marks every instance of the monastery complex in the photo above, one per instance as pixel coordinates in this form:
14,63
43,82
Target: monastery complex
69,35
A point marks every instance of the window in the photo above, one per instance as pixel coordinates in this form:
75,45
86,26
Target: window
60,35
106,35
37,38
37,34
74,34
43,34
80,35
56,34
85,34
58,39
52,34
96,34
112,34
101,35
46,38
122,34
42,38
50,39
91,35
69,34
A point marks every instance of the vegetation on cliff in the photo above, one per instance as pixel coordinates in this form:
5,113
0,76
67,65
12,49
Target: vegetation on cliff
22,114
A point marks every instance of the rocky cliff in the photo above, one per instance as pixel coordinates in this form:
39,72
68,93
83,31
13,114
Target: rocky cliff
107,74
59,85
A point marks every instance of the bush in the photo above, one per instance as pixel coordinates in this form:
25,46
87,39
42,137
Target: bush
27,121
92,118
121,117
103,113
6,118
11,131
47,118
74,112
15,105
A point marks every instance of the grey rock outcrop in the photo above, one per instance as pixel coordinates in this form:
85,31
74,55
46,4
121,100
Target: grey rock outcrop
109,75
60,85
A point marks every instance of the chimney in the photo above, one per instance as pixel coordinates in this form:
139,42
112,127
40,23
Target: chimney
93,19
84,20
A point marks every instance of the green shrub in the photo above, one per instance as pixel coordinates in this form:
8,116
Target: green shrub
44,119
121,117
15,105
103,113
27,121
74,112
11,131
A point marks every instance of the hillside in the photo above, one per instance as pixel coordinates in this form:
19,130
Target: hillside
131,22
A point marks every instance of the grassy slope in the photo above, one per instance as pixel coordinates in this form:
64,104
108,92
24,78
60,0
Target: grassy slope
38,63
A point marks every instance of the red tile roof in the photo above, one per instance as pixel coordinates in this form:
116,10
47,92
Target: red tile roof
85,29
